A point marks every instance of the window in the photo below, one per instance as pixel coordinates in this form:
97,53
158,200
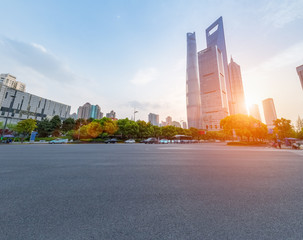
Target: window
6,95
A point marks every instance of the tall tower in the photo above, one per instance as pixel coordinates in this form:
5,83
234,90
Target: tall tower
192,83
254,111
269,112
215,37
300,73
237,91
214,104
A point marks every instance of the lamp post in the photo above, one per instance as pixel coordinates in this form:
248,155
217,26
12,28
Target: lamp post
9,110
135,114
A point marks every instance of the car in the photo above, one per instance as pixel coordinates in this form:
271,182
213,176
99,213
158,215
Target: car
297,145
130,141
151,141
58,141
112,140
164,141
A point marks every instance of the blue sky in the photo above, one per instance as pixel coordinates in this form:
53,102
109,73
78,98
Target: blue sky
126,54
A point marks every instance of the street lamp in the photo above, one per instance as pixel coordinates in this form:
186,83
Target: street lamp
135,114
9,110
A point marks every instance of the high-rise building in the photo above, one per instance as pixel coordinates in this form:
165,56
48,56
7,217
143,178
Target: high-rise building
269,112
215,37
214,103
300,73
237,92
153,119
184,125
10,81
254,111
192,83
111,114
176,124
169,121
89,111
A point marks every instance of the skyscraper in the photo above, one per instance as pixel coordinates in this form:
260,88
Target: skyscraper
215,37
269,112
214,104
153,119
169,121
254,111
89,111
192,83
237,91
300,73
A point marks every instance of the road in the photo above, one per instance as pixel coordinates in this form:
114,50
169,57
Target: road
119,191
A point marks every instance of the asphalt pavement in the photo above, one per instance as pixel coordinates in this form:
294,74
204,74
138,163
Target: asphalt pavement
120,191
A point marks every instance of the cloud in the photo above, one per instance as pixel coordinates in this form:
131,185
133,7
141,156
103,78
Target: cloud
281,13
35,57
144,76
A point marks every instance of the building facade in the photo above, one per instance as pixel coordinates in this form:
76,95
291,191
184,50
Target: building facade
169,121
111,114
255,112
300,73
214,103
89,111
269,112
10,81
16,105
238,105
193,103
153,119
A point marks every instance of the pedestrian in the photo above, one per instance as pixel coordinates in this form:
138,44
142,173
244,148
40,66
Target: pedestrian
279,143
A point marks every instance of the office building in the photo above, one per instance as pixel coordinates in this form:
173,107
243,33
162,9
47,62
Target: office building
193,103
184,125
176,124
111,114
89,111
214,103
254,111
169,121
153,119
300,73
269,112
73,116
10,81
237,92
16,105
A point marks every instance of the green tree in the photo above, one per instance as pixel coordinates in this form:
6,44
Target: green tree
283,128
169,131
68,124
144,129
56,123
44,128
26,126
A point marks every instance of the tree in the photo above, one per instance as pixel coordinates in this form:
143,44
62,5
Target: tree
299,124
169,131
109,126
144,129
283,128
26,126
68,124
156,131
44,128
94,129
56,124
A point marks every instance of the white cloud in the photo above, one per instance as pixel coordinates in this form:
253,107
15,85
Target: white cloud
144,76
281,13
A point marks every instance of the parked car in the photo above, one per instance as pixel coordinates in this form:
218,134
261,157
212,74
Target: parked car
297,145
130,141
164,141
112,140
151,141
58,141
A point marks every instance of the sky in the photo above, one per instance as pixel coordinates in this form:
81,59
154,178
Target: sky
131,54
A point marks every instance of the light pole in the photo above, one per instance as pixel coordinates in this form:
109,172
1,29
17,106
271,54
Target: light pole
135,114
9,110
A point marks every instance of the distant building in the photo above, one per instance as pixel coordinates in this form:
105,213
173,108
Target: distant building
89,111
111,114
169,121
10,81
269,112
176,124
237,92
16,105
73,116
254,111
300,73
153,119
184,125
